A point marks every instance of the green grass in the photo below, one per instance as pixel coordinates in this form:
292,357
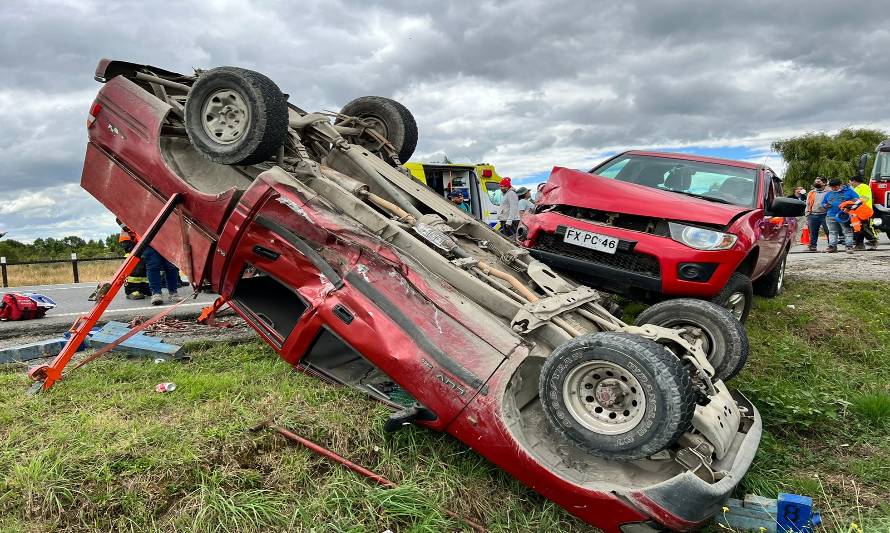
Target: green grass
820,375
103,451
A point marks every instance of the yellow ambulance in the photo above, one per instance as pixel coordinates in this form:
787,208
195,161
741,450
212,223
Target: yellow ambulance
479,184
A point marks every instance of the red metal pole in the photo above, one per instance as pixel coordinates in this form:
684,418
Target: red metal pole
46,375
376,478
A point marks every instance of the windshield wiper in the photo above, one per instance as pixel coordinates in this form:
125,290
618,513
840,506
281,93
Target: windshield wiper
703,197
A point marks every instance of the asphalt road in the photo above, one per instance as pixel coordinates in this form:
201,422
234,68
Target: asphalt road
72,302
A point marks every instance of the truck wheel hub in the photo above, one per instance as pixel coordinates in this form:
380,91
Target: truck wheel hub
225,116
604,397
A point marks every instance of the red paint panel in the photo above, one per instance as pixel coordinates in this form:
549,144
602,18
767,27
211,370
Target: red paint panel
123,193
572,187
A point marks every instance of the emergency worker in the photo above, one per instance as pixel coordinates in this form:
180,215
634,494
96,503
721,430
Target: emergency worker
508,214
815,213
866,231
136,284
156,267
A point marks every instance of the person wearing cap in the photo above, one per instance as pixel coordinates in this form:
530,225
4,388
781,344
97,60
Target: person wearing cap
866,232
457,198
508,214
838,221
815,213
525,200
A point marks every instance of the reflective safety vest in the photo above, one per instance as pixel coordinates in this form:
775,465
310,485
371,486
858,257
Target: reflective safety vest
138,274
858,210
864,192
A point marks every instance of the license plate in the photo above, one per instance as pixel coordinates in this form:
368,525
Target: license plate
588,239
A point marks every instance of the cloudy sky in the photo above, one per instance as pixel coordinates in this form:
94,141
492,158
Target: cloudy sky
523,85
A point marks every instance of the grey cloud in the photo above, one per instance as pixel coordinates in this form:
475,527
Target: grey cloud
522,84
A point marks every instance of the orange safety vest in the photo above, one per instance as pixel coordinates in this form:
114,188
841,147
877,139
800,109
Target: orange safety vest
858,210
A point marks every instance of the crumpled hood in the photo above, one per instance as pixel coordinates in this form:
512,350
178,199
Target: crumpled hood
580,189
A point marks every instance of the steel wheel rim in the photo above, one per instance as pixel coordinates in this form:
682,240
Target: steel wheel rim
377,125
604,397
225,116
694,331
736,304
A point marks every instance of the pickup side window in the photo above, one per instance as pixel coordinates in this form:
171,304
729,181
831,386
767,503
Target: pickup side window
272,303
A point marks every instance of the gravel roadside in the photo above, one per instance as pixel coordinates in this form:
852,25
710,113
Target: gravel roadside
864,266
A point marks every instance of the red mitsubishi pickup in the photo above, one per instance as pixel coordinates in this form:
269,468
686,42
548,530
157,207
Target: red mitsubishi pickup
653,224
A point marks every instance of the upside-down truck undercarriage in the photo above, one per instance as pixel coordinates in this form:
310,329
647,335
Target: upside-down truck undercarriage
309,227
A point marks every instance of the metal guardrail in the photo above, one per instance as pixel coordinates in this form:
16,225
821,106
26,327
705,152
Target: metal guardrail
73,261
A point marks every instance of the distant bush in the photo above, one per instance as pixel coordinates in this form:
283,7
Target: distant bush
50,248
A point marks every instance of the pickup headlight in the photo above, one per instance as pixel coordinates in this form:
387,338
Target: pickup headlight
701,238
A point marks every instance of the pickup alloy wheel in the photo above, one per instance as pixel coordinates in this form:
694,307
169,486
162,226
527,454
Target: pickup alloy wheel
617,395
722,337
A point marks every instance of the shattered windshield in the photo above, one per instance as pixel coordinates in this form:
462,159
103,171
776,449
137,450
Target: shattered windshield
711,181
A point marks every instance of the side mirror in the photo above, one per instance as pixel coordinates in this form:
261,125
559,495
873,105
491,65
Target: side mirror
863,161
787,207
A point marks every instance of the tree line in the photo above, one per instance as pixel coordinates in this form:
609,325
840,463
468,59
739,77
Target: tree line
826,155
50,248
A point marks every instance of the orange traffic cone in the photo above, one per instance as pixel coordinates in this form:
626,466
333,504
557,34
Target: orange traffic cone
805,236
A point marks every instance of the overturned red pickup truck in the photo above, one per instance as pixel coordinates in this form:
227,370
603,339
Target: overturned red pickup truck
308,224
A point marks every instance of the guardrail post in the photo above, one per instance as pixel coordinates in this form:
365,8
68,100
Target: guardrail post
74,267
3,271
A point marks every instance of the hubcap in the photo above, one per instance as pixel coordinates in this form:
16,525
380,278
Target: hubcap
225,116
604,397
736,304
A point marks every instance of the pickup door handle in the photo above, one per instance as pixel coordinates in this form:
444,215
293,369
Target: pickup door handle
265,252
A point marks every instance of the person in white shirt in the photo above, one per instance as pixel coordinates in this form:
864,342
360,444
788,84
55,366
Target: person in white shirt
508,214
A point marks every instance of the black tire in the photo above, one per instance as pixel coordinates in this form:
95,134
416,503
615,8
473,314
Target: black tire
392,120
771,284
252,129
724,338
665,387
737,296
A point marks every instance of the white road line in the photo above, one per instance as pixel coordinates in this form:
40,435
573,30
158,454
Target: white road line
34,288
129,309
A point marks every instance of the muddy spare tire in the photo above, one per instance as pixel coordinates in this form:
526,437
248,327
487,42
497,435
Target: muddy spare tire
390,119
723,338
235,116
617,395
